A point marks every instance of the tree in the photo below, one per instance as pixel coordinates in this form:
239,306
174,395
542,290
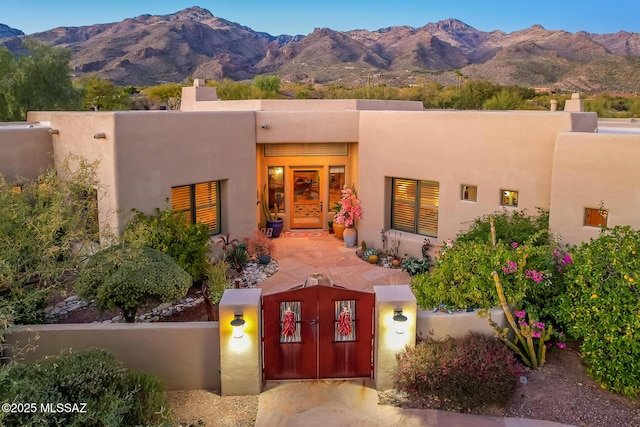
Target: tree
100,94
46,227
38,79
503,100
125,276
169,94
269,84
473,94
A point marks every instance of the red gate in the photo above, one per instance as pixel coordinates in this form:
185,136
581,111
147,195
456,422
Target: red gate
317,332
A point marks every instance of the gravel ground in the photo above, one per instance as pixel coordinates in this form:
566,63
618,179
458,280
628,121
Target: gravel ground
560,392
206,408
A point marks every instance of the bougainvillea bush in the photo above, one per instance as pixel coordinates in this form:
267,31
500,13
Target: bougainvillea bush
468,372
461,277
602,306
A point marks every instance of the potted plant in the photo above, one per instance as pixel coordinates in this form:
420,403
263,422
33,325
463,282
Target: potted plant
272,220
350,211
260,247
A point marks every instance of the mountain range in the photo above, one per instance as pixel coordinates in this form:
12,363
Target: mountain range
150,49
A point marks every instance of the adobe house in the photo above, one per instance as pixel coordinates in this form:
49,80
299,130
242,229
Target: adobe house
423,173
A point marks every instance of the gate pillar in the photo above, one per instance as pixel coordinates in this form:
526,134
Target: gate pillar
240,348
392,336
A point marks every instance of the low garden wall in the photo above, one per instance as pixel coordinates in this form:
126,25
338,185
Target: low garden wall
185,355
440,325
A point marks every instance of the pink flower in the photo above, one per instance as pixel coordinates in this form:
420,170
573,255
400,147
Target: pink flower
538,325
521,314
350,209
523,323
561,345
536,334
514,245
511,267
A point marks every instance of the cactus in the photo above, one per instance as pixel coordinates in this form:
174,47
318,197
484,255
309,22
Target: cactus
270,216
523,343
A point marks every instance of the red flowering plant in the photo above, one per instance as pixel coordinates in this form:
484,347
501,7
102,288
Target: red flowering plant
350,209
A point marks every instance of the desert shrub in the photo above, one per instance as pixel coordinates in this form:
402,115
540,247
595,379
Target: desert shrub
530,273
470,371
514,226
113,395
217,281
602,305
124,277
168,232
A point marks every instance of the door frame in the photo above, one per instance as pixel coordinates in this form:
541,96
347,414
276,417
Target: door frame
320,190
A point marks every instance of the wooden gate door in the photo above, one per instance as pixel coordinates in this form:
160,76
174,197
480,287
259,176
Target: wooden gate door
317,332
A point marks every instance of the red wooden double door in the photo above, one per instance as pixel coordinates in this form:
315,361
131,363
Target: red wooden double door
317,332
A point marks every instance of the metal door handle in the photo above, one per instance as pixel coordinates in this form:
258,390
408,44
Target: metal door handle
313,322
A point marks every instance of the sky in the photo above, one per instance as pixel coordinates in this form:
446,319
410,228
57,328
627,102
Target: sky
301,17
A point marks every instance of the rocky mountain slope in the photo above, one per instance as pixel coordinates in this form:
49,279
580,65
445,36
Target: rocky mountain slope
151,49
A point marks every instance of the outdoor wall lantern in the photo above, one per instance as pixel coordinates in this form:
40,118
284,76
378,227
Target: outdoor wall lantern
100,135
399,322
238,326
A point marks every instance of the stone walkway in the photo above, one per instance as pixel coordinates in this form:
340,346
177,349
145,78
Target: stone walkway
353,403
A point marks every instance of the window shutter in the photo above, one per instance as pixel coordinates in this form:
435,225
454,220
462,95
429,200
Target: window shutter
206,204
181,200
428,208
404,202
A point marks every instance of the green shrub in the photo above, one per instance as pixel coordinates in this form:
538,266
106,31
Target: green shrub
113,395
469,372
602,305
514,226
168,232
531,276
415,266
124,277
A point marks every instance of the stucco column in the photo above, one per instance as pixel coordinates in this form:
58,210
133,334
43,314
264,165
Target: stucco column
240,358
391,336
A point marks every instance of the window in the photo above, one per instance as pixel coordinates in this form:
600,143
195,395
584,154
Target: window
276,188
509,198
595,217
469,192
199,202
415,206
336,183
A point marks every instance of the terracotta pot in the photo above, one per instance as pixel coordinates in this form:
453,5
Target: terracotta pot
338,229
350,237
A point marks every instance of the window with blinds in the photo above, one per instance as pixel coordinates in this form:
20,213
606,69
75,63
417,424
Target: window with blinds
199,202
415,206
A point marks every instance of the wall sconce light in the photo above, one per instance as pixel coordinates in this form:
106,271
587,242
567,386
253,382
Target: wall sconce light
399,322
238,326
100,135
54,131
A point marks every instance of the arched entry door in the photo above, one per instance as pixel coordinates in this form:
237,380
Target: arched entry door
317,332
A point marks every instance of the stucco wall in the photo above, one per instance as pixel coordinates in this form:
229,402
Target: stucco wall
76,137
306,126
156,151
588,169
145,153
25,150
492,150
185,355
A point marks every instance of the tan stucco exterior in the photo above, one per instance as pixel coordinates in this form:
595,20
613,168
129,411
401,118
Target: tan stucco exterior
186,356
542,155
25,150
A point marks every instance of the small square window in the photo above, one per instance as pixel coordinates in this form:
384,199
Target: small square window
509,198
469,192
595,217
